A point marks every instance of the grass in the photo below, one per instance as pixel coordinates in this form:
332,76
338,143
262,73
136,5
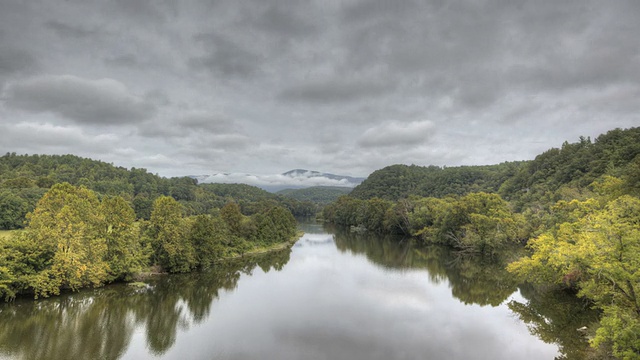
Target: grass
6,233
265,249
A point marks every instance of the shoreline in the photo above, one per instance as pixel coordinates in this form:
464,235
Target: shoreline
264,250
140,277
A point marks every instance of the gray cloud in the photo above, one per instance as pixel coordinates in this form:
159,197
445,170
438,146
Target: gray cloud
338,90
55,139
262,86
224,57
397,134
100,102
196,124
126,61
70,31
282,19
15,61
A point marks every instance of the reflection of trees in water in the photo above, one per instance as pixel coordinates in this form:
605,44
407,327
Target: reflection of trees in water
99,324
70,327
473,279
388,251
551,315
554,315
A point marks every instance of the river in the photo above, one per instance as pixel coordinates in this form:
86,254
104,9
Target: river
334,295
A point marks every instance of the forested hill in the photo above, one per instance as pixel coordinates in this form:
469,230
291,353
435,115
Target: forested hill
399,181
24,179
572,166
321,195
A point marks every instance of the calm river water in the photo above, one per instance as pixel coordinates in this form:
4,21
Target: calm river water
334,295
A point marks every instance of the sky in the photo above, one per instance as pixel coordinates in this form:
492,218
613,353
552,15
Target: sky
197,87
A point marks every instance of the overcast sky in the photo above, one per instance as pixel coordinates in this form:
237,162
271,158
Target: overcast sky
347,87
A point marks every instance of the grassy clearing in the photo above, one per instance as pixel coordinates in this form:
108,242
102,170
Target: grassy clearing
6,233
266,249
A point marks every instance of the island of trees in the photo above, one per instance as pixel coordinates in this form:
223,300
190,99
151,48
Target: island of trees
576,208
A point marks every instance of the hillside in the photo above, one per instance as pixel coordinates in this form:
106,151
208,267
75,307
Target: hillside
573,165
318,194
24,179
400,181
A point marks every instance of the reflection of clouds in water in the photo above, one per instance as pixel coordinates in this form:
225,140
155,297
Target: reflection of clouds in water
330,305
316,239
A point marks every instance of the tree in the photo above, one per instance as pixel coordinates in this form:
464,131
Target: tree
596,250
12,210
274,226
124,253
172,249
231,214
64,228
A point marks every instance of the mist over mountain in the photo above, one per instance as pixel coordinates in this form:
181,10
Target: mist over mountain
293,179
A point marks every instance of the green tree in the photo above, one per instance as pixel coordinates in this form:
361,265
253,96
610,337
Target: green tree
598,251
64,228
207,234
125,255
13,210
167,231
231,214
274,226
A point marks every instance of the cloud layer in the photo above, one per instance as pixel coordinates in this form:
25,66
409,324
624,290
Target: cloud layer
98,102
200,87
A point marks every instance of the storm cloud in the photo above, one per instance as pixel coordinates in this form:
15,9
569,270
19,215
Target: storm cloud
346,87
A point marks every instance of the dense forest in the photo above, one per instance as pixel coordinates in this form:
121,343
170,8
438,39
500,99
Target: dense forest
75,239
576,208
83,222
321,195
25,178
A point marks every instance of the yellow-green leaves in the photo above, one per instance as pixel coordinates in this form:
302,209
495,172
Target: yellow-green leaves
597,250
67,223
168,233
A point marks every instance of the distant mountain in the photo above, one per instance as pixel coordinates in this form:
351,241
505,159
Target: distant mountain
297,173
293,179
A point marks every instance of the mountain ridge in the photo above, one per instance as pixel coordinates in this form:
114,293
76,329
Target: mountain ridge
293,179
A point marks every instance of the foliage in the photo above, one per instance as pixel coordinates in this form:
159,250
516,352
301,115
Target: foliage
209,236
401,181
90,325
167,232
553,175
25,178
579,202
73,240
577,165
477,222
14,210
321,195
275,225
597,250
125,255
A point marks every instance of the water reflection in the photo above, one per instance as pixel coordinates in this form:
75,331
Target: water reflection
551,314
341,295
473,279
99,324
554,316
